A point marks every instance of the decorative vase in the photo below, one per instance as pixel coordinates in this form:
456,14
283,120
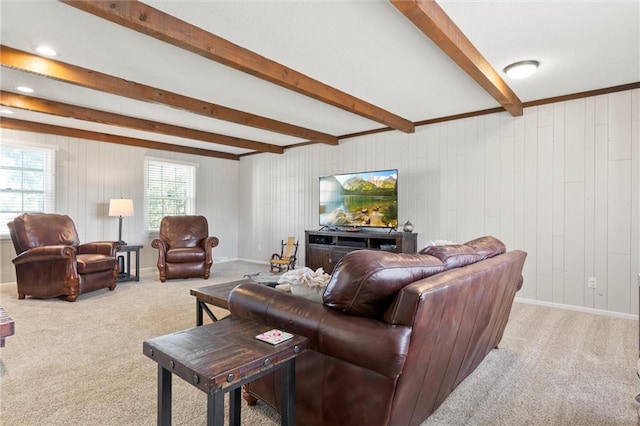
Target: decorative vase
408,227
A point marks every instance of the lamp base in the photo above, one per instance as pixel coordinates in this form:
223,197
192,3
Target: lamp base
122,243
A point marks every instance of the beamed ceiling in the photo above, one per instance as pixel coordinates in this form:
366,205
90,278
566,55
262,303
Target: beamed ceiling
226,79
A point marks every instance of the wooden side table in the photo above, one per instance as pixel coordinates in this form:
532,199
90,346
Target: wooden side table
215,295
219,358
125,273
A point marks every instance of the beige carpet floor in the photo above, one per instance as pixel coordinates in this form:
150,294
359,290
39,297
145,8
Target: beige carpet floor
82,364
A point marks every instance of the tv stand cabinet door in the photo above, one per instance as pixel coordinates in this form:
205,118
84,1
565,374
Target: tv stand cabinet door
408,242
338,253
325,257
319,257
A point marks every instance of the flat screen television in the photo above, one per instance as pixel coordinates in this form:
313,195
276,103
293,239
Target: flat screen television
364,199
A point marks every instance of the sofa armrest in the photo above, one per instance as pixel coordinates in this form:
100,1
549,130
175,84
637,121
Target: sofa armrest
207,245
365,342
107,248
44,254
265,305
162,247
210,242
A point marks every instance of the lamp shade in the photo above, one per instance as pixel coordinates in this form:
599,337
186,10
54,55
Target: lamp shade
120,207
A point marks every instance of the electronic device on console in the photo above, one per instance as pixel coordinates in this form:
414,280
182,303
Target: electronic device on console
354,201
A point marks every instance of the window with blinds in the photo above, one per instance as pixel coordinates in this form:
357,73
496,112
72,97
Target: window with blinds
170,190
27,181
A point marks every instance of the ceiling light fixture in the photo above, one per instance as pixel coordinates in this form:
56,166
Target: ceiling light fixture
522,69
46,51
24,89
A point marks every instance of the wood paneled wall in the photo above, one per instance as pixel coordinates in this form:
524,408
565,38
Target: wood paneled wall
90,173
561,182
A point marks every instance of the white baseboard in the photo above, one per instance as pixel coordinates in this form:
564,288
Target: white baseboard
578,308
152,269
259,262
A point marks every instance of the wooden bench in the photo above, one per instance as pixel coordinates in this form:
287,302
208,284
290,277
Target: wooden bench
7,326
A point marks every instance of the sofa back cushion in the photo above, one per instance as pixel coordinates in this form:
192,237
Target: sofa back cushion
43,229
453,255
365,282
487,246
184,231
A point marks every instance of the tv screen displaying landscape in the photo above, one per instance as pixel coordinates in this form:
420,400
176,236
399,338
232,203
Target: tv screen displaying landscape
365,199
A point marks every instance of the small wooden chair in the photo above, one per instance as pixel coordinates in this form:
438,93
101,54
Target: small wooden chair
287,256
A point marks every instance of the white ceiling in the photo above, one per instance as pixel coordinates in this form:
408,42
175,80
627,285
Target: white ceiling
365,48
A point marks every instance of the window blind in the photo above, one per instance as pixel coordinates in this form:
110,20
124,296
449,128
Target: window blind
170,190
27,181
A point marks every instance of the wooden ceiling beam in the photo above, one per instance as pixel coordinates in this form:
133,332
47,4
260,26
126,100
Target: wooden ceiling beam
23,61
145,19
30,126
95,116
429,17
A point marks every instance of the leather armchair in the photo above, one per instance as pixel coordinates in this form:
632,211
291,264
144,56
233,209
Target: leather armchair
51,262
184,247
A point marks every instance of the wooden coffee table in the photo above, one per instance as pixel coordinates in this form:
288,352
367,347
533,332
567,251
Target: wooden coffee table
219,358
215,295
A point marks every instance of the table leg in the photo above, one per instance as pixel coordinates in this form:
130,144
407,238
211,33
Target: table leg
215,409
137,264
128,264
198,312
208,311
235,407
289,393
164,396
201,306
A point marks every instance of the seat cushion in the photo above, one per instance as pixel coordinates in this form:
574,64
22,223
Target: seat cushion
365,282
185,254
90,263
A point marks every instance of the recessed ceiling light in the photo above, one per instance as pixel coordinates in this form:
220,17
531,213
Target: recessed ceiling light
25,89
46,51
522,69
6,111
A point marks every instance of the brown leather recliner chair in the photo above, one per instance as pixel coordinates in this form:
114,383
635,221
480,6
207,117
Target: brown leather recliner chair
51,262
184,247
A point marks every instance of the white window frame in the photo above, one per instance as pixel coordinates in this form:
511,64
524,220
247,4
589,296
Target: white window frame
48,189
189,170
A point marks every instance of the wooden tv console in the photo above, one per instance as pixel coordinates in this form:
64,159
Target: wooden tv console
325,248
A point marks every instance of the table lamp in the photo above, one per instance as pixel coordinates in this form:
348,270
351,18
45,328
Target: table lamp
120,207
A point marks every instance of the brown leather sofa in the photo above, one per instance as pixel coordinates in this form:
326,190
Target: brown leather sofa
184,247
51,262
396,332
